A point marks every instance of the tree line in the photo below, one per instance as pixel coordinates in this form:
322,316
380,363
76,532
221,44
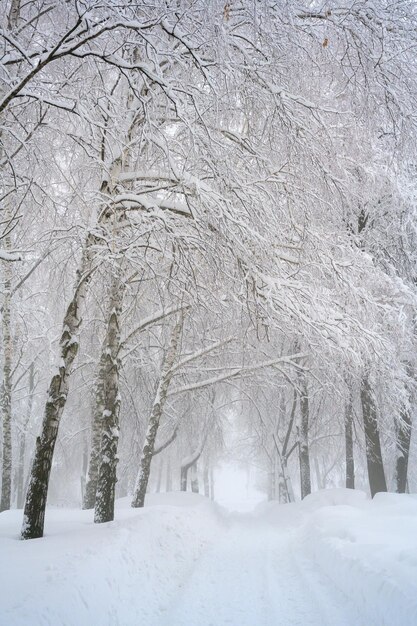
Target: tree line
207,215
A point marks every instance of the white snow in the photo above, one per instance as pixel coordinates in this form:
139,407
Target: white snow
10,256
336,559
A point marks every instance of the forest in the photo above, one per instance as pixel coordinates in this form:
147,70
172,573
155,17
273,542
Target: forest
207,219
207,250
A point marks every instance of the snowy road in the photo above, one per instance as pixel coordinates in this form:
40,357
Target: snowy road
336,559
251,577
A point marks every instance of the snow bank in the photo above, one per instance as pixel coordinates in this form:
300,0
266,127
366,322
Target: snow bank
365,550
334,497
121,573
368,550
353,561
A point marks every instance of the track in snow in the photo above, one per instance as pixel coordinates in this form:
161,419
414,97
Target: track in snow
334,559
253,576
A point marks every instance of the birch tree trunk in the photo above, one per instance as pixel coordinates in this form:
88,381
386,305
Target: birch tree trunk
206,480
106,480
14,14
283,492
350,461
34,512
159,478
374,461
20,477
320,481
6,391
304,455
168,482
84,467
271,477
194,479
191,462
184,477
156,413
96,432
211,484
403,438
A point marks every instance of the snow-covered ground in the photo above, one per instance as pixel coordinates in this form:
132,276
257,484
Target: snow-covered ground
335,559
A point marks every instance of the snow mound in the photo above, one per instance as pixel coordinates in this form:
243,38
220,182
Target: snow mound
368,550
123,573
334,497
335,559
296,512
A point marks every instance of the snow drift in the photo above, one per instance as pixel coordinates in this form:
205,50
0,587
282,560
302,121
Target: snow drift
336,558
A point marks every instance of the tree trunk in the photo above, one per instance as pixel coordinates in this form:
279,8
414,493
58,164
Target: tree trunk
320,481
206,480
96,434
285,493
190,462
106,480
84,467
271,477
304,455
403,437
374,461
282,489
20,477
34,513
184,476
168,482
6,391
159,478
156,413
14,14
211,484
194,479
350,461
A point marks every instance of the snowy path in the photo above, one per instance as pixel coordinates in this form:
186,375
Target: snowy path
251,577
335,559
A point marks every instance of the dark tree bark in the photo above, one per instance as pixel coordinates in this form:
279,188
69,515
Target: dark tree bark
304,454
284,483
165,444
285,493
374,460
403,437
273,483
106,480
184,476
156,413
6,390
14,14
34,512
350,461
96,434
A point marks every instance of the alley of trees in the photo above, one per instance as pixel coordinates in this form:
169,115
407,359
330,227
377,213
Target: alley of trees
208,222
